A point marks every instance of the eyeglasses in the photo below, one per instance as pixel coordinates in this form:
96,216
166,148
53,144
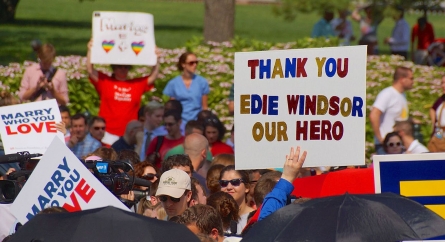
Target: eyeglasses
394,144
164,198
234,182
97,128
149,176
191,63
212,120
169,124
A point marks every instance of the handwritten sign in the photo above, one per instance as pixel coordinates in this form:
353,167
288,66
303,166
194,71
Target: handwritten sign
30,126
314,98
123,38
61,180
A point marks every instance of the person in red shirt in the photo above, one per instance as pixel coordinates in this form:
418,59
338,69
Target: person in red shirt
214,131
424,34
120,97
172,123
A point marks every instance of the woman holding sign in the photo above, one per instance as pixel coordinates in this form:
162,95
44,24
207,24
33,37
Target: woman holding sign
120,97
189,88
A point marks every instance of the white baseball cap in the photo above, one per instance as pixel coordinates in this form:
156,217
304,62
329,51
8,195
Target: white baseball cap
173,183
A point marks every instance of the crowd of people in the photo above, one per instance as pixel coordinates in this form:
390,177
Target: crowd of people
425,48
179,145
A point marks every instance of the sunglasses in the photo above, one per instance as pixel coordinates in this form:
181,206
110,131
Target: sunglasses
149,176
97,128
394,144
234,182
164,198
191,63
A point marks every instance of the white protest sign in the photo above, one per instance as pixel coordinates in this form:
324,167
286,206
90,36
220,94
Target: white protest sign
60,179
124,38
313,98
30,126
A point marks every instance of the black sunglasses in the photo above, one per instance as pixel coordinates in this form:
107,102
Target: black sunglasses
164,198
97,128
149,176
234,182
192,63
394,144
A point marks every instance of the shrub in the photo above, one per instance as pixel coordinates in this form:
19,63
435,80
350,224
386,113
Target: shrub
216,65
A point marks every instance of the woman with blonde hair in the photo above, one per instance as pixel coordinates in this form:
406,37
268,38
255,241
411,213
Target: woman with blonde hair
42,81
147,208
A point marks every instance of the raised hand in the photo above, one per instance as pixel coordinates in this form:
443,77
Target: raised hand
293,164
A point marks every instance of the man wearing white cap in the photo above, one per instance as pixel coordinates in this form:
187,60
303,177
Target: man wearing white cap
174,192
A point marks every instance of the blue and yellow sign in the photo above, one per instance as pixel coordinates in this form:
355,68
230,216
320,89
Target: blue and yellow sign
422,181
419,177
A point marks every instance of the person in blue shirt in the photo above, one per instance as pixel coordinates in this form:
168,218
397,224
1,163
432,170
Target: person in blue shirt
278,197
81,143
323,28
189,88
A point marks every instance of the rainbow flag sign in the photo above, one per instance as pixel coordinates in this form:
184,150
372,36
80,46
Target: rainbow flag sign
124,38
419,177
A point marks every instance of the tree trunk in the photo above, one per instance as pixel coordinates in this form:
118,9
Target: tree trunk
7,10
219,20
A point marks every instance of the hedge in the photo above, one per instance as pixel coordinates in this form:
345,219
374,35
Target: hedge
216,64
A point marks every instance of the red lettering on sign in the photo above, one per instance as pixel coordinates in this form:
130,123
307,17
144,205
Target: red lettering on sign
37,127
9,132
72,208
85,191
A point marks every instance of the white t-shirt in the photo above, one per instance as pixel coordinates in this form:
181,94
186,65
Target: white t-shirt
416,148
394,108
442,119
242,222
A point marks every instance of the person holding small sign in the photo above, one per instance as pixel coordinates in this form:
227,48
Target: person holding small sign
189,88
42,81
120,97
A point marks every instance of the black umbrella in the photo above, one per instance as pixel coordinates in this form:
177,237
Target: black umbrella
102,224
375,217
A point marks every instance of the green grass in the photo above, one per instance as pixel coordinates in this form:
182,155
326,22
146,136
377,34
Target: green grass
67,24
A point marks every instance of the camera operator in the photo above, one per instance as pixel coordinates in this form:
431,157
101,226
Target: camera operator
5,176
42,81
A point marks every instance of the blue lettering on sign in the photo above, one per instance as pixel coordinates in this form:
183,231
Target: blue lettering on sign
62,179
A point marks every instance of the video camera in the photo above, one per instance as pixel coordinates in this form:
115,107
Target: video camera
112,174
10,188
